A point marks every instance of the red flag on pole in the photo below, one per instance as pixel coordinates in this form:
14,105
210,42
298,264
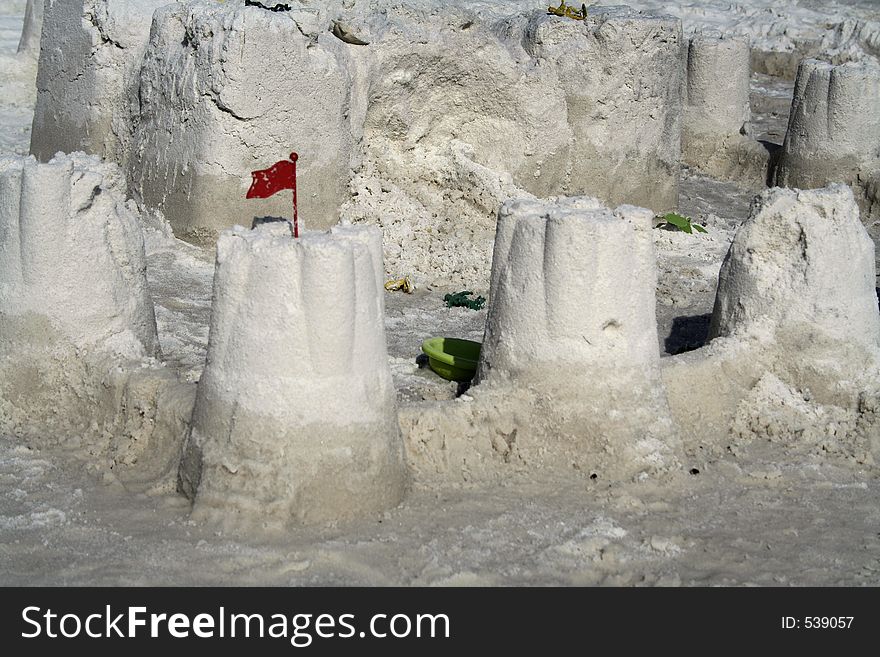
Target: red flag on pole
278,177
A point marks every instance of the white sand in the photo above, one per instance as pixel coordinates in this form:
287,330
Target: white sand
783,499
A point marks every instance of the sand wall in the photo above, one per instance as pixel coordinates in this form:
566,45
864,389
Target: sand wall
620,75
473,106
570,378
419,121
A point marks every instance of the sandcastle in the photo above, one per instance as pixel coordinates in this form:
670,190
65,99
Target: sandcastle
67,229
570,374
295,416
801,260
718,85
294,419
834,131
572,315
799,279
716,115
587,276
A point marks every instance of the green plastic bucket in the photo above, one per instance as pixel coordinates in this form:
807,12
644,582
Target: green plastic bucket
452,358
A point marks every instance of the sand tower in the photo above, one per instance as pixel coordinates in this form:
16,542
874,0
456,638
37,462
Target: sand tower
834,131
717,113
717,86
77,326
72,256
295,416
572,313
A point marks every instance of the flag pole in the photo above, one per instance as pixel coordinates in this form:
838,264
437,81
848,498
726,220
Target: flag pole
294,157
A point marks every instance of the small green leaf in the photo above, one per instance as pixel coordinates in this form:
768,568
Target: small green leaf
682,223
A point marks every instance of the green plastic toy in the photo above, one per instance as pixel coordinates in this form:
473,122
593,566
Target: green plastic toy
453,358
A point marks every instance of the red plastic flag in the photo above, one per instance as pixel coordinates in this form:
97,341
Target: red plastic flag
278,177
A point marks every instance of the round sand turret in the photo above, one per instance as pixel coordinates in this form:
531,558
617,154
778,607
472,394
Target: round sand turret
572,287
572,316
87,82
72,253
77,327
295,416
834,131
717,86
716,111
207,117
